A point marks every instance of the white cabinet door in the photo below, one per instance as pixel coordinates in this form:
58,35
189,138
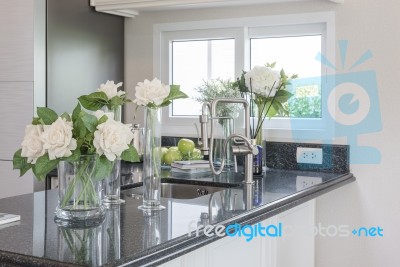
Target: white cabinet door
296,246
234,251
16,111
11,184
16,43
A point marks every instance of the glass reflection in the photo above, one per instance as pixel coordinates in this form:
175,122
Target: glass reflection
80,245
152,232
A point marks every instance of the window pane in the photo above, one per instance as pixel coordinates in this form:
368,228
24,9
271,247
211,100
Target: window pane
194,62
296,55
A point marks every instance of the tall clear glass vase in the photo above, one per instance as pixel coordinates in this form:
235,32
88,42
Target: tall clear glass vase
152,160
226,128
112,183
259,159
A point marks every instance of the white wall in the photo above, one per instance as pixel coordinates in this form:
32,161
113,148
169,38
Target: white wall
374,199
371,201
16,89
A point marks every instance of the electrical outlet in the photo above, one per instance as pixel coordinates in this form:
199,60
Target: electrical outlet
309,155
303,182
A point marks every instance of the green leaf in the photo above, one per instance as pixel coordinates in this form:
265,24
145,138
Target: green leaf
66,116
116,101
79,128
94,101
75,156
36,121
165,103
273,109
175,93
90,122
103,119
130,155
43,166
47,115
21,163
282,96
103,168
76,112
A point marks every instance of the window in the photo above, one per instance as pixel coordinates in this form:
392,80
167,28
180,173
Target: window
195,61
193,52
296,55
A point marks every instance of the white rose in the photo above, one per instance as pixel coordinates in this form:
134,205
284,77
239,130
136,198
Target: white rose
112,138
111,89
58,140
151,92
32,145
263,80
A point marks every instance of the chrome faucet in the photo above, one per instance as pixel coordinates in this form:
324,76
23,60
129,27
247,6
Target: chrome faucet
243,144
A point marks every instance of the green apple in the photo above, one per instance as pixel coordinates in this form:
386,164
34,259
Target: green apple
185,146
164,150
196,154
173,148
171,156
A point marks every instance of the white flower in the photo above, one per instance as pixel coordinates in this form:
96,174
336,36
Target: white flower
151,92
58,140
112,138
111,89
263,80
32,145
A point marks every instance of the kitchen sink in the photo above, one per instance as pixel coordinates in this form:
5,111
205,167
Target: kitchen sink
180,191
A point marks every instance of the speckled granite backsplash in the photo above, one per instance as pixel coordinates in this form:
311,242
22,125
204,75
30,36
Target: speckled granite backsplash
282,155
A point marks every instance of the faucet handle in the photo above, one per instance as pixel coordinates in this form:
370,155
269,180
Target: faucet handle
238,141
254,148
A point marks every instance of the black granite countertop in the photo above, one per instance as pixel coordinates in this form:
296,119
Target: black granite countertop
129,236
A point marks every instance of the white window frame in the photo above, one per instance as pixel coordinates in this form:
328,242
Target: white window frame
242,29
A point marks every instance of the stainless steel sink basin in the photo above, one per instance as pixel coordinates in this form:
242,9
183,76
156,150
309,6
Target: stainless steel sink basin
180,191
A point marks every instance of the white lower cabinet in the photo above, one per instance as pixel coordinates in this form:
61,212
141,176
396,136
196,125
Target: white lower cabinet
294,248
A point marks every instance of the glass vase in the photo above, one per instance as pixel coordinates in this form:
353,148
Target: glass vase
258,160
79,193
114,112
152,161
112,185
226,129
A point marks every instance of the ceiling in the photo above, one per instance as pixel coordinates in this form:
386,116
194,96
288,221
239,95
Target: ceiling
132,8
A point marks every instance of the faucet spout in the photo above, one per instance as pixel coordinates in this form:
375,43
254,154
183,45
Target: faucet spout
248,149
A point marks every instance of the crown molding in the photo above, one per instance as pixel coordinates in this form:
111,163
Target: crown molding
131,8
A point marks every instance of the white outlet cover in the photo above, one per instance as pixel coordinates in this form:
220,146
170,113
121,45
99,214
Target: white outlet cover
309,155
303,182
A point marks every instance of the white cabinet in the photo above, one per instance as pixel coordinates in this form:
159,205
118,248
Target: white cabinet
11,184
16,88
16,43
16,109
294,248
